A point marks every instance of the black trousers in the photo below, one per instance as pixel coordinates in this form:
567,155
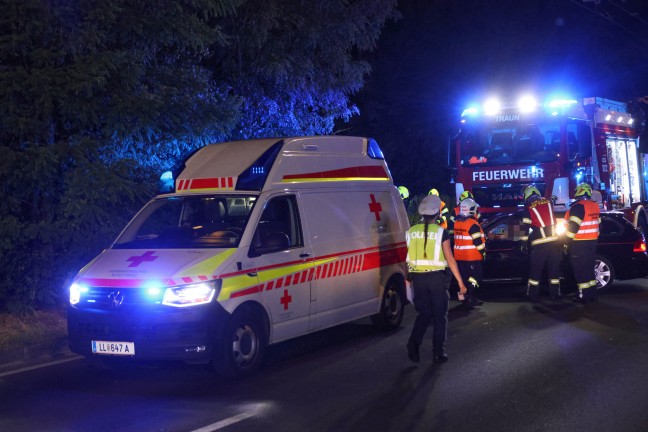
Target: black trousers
472,274
544,255
582,256
431,300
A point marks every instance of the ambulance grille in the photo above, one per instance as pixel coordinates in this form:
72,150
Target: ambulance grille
130,330
112,298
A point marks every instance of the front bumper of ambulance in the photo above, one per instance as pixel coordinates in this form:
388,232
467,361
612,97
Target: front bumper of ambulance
108,322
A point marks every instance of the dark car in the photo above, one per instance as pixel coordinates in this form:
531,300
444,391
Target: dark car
620,251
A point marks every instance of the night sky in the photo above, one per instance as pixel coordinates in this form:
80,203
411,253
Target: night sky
443,55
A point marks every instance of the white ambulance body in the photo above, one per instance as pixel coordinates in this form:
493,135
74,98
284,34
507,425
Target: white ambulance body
260,241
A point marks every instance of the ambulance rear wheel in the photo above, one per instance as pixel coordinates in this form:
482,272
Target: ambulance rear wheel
244,344
392,306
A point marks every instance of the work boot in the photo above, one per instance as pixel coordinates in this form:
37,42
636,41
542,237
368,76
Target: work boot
413,351
440,358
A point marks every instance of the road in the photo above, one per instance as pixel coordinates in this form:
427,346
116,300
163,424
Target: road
554,366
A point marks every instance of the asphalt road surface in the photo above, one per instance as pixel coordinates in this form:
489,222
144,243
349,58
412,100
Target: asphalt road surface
554,366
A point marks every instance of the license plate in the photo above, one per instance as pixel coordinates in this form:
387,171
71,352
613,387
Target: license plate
113,348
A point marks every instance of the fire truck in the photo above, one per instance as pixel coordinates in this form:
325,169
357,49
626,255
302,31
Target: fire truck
555,145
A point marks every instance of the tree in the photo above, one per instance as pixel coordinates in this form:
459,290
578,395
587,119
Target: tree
96,98
296,63
92,95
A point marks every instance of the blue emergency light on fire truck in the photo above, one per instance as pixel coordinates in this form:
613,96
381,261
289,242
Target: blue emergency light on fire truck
502,148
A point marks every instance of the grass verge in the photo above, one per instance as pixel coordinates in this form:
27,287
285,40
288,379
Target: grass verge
40,327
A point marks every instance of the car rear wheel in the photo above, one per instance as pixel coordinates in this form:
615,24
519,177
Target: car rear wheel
604,273
244,344
392,306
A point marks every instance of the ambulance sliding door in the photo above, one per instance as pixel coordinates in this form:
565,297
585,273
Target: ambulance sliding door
347,229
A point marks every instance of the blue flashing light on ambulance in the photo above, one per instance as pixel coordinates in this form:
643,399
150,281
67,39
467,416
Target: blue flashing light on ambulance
500,148
250,243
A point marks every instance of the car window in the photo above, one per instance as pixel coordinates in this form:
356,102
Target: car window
610,228
507,229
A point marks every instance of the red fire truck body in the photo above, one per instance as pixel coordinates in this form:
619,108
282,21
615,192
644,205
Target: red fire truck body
499,150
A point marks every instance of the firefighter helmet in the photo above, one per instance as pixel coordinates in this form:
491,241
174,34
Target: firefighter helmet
433,191
430,205
404,193
466,194
468,207
583,189
530,191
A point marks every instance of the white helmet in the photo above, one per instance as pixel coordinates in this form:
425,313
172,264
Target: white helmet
430,205
468,207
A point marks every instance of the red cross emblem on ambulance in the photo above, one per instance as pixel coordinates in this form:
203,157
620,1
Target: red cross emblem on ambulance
375,207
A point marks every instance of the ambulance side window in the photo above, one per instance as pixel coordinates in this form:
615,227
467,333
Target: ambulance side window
279,227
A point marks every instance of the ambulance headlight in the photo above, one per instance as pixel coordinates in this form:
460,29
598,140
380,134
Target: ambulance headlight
192,294
76,291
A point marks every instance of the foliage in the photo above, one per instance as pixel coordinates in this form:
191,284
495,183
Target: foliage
295,63
97,98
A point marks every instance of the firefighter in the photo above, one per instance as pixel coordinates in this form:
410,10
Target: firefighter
540,237
444,213
469,250
428,254
581,238
404,192
455,213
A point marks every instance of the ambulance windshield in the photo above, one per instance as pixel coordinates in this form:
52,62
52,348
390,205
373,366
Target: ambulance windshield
195,221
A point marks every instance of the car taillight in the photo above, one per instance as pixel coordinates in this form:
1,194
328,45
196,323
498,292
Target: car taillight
639,246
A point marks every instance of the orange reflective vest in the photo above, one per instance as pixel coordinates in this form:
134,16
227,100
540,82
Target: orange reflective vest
468,240
443,216
585,216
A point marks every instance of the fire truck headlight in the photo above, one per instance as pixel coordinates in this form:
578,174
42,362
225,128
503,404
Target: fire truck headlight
492,107
560,228
192,294
527,104
76,291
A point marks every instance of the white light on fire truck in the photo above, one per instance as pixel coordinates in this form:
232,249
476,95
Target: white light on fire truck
620,119
608,117
192,294
630,121
527,104
492,107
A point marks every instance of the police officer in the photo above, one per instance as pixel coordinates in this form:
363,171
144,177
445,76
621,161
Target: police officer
582,235
469,250
444,213
428,254
539,233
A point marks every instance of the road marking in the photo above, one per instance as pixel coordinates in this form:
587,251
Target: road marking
226,422
38,366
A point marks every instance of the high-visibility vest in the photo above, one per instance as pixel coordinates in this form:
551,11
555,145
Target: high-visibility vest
542,220
443,216
588,227
464,245
430,258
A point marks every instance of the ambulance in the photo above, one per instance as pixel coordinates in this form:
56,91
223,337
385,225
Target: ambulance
254,243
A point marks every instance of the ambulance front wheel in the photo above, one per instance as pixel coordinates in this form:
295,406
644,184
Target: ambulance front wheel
244,344
392,306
